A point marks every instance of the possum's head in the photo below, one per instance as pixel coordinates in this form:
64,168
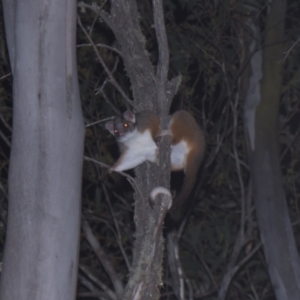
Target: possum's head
120,127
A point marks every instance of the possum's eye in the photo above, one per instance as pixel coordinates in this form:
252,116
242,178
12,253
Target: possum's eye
115,131
125,125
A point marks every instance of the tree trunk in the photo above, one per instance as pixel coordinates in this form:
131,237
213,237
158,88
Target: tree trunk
151,91
42,241
261,123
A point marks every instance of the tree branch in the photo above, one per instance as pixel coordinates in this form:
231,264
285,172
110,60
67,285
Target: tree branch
108,72
103,258
94,279
163,60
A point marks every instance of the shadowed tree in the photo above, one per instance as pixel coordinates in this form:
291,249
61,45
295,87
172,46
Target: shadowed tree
261,119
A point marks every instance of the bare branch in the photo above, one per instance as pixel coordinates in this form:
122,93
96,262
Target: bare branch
103,14
175,264
4,76
172,87
119,236
5,123
4,138
108,72
103,286
103,258
100,46
232,271
97,15
288,52
163,60
129,178
95,292
97,122
237,161
117,111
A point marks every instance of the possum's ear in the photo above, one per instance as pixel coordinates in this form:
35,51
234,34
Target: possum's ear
110,126
129,116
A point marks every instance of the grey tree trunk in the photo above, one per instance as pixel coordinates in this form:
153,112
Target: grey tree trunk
42,241
261,110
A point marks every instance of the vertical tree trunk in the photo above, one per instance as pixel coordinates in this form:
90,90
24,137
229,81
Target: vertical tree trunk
271,208
151,91
41,249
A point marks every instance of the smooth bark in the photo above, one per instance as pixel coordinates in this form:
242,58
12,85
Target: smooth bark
42,241
261,113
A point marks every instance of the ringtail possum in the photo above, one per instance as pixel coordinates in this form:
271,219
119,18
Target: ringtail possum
136,135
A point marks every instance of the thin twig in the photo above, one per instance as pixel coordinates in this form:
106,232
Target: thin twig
237,160
114,108
101,164
230,273
99,121
119,236
95,8
4,138
128,177
5,123
4,76
89,285
101,46
103,286
288,52
94,243
101,90
97,15
108,72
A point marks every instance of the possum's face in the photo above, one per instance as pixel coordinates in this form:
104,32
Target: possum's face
120,127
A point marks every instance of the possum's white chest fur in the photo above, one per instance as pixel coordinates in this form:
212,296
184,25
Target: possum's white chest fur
178,155
139,147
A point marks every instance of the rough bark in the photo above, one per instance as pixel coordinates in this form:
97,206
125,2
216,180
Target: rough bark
151,91
261,113
42,241
145,277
